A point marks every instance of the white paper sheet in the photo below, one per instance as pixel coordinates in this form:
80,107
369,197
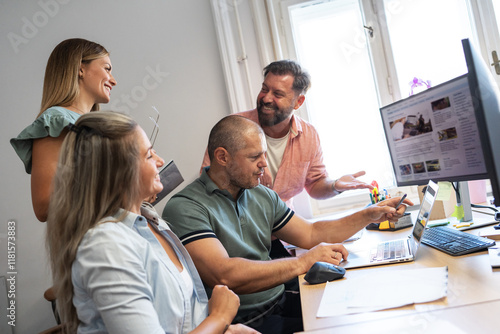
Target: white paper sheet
384,289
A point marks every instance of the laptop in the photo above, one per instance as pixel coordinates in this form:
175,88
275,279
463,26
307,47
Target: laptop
399,250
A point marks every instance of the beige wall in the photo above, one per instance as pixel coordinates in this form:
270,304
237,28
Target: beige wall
164,53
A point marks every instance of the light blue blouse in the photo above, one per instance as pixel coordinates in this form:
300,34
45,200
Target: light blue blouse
50,123
124,282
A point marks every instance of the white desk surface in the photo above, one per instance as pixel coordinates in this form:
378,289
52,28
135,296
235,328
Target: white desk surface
473,296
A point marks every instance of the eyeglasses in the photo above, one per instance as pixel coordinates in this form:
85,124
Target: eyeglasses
156,127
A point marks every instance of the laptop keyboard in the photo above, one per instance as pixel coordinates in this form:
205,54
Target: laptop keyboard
394,249
454,242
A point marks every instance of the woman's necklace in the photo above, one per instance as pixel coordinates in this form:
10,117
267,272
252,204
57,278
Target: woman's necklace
80,111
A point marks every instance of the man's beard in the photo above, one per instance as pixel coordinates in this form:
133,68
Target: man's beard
243,183
277,117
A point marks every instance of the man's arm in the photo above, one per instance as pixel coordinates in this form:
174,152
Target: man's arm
326,188
304,234
248,276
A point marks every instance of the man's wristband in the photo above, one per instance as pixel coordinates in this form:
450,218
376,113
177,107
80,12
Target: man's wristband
335,191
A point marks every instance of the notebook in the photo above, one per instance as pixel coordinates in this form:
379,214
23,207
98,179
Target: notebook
399,250
170,177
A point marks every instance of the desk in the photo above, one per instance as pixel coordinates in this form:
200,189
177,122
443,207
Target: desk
473,296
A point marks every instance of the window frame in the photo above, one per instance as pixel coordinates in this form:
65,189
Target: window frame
383,80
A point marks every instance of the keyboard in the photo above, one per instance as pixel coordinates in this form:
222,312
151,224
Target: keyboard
394,249
454,242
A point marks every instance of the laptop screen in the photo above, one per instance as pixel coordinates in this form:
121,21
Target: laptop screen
425,210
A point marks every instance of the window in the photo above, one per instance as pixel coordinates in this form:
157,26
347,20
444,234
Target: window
425,38
330,43
365,54
496,8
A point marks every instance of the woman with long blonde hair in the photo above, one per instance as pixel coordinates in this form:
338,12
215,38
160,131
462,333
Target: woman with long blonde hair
77,78
117,266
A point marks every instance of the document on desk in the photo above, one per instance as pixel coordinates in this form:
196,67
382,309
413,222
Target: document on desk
383,289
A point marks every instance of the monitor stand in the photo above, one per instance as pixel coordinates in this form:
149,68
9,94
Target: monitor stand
463,199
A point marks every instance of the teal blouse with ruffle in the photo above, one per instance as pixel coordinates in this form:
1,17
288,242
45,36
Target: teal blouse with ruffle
50,123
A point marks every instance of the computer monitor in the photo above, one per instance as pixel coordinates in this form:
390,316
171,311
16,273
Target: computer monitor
486,102
433,135
446,133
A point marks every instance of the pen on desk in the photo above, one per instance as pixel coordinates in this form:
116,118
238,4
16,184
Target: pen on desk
437,224
401,201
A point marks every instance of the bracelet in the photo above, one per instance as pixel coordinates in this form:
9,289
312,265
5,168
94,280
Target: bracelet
335,191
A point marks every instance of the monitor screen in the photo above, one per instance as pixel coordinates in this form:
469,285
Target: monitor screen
433,135
486,102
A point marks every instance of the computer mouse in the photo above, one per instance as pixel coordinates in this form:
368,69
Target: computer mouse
322,272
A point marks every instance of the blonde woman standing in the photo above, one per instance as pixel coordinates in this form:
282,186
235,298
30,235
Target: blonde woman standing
77,78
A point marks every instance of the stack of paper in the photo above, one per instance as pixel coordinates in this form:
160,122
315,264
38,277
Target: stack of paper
382,290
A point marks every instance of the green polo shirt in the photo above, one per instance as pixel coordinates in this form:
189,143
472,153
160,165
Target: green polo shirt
244,227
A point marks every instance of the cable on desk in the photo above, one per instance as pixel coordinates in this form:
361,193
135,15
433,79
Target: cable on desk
484,207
